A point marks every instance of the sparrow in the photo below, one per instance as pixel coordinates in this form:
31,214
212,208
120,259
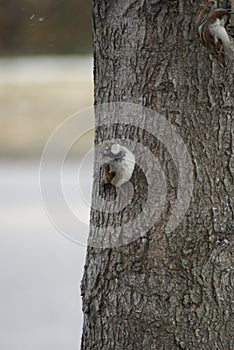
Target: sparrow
119,164
213,25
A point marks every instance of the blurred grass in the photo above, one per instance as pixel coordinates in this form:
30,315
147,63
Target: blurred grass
36,94
32,27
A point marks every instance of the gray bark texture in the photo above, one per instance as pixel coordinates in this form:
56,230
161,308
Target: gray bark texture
168,291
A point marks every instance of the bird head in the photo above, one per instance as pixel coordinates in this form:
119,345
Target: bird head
113,150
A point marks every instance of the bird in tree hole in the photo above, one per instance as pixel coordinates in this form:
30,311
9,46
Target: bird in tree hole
119,164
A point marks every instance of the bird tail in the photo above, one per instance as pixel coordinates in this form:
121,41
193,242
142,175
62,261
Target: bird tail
229,50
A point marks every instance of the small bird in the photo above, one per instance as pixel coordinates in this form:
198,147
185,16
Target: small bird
119,164
213,25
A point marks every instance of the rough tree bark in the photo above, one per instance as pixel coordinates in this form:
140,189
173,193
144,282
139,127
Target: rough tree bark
178,293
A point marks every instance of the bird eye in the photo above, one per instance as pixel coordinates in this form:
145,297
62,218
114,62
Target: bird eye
106,150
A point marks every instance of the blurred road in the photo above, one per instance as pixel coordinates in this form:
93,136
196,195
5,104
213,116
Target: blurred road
40,269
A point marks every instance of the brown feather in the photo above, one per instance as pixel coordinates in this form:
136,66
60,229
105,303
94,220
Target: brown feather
108,174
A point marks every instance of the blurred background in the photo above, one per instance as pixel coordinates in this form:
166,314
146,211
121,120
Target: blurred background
45,76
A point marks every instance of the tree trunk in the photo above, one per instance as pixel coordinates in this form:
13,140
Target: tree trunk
165,290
